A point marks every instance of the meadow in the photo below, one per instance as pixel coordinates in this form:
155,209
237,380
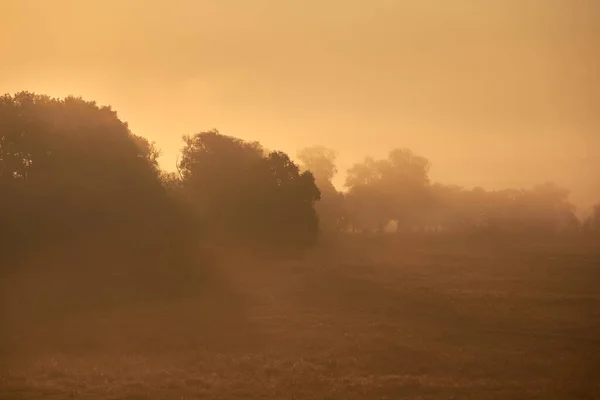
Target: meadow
383,319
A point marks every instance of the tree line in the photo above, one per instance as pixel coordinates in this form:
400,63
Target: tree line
396,194
72,170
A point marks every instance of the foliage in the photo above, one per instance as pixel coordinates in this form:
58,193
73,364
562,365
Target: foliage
246,195
592,222
395,188
72,170
69,169
331,207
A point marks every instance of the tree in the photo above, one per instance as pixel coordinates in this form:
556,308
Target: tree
247,196
541,210
592,223
331,208
71,169
320,161
396,188
544,209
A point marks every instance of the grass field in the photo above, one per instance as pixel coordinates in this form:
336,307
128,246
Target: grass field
396,322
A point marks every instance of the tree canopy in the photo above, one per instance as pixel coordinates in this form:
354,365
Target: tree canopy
390,189
243,193
331,206
71,169
68,166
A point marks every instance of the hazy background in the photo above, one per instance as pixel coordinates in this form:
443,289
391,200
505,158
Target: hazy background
495,93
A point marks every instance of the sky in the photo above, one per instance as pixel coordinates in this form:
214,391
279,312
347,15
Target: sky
496,93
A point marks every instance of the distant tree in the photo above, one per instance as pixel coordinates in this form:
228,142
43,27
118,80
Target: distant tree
451,209
550,209
244,194
396,188
541,210
544,209
591,224
320,161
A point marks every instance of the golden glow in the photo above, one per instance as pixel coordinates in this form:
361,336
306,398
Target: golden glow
495,93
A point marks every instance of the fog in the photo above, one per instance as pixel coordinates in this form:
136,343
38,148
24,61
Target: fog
255,199
496,94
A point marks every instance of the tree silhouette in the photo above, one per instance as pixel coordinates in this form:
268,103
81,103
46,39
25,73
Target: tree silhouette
591,224
331,207
320,161
245,195
71,169
543,209
396,188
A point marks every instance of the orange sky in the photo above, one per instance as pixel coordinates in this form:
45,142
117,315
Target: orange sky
496,93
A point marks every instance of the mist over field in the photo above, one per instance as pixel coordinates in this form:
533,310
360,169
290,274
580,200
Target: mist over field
313,200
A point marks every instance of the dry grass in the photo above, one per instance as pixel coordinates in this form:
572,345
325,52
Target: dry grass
436,322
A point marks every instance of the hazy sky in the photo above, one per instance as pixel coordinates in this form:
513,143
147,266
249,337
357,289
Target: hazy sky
495,92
